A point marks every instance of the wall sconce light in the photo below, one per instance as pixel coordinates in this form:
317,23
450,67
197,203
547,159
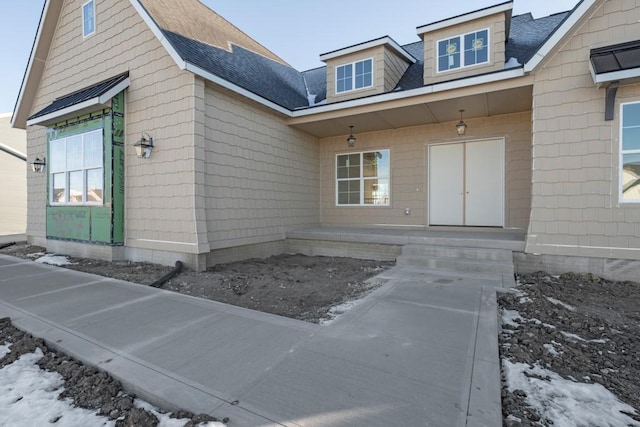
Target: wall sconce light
352,139
461,127
38,164
144,146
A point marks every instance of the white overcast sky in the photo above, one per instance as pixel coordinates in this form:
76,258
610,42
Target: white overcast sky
296,30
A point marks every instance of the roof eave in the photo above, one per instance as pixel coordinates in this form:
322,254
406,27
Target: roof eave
35,66
574,17
445,23
509,74
382,41
192,68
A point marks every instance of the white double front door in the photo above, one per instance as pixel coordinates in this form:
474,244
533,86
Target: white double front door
466,183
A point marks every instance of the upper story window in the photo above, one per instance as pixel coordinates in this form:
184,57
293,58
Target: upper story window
357,75
88,18
362,179
76,172
463,51
630,153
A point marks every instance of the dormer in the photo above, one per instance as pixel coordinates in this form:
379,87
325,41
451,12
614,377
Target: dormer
466,45
365,69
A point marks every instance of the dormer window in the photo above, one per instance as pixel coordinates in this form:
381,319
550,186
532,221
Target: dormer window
463,51
356,75
88,18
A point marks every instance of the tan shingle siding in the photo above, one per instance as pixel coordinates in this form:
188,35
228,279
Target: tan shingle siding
409,170
394,69
575,176
261,176
159,197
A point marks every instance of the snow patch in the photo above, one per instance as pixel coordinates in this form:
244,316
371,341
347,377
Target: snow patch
336,311
4,350
164,420
565,402
29,397
575,337
509,317
58,260
512,63
36,254
561,304
551,349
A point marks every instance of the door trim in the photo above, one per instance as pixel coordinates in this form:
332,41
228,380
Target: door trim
503,215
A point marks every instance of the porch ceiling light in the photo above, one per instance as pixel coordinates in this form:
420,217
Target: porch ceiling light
144,146
352,139
461,126
38,164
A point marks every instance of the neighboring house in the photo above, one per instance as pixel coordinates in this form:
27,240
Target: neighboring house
246,148
13,176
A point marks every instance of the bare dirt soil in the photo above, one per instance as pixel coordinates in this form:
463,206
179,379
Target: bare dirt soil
295,286
603,315
591,329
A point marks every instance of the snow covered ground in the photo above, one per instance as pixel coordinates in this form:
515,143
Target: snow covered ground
557,400
29,397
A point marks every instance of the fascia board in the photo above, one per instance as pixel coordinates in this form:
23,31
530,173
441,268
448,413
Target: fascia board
106,97
158,33
184,65
368,45
47,118
504,7
564,29
235,88
25,80
616,76
97,101
425,90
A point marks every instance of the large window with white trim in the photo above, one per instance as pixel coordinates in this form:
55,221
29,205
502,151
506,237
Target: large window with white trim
362,179
356,75
630,153
76,172
463,50
88,18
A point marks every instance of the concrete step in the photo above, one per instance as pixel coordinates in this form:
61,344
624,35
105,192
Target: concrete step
480,266
476,254
478,262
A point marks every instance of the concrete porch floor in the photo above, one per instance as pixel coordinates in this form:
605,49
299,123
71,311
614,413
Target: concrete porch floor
496,238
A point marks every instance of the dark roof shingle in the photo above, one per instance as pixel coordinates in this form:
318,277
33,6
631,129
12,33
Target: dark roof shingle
81,95
262,76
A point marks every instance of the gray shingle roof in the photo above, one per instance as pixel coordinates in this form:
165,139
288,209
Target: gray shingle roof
288,87
528,35
269,79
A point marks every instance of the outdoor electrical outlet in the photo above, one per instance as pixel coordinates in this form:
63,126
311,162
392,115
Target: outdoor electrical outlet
407,211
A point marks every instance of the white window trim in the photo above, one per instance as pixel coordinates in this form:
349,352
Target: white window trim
353,79
621,157
462,64
84,180
362,179
84,36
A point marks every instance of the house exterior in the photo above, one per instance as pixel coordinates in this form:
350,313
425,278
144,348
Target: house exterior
247,149
13,175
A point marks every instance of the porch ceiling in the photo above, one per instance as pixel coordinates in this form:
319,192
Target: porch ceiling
487,104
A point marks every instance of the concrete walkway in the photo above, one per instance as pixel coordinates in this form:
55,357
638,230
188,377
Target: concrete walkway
419,351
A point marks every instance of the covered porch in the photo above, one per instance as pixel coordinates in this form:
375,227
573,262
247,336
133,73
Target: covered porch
479,253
